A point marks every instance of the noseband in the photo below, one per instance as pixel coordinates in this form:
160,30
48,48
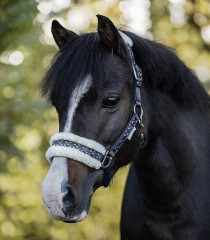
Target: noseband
92,153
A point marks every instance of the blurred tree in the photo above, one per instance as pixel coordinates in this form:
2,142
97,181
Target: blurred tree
16,19
198,17
185,26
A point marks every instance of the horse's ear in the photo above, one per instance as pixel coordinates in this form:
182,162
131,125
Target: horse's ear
61,35
108,33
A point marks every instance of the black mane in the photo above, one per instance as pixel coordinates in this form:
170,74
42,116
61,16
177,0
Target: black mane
163,70
85,54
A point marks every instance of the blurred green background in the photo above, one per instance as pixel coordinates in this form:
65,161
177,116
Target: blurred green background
27,122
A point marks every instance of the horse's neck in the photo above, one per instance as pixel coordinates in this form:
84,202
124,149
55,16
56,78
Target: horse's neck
169,167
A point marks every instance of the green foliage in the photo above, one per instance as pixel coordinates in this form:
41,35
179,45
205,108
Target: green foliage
16,19
27,122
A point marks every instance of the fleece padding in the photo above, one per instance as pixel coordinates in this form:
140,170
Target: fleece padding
73,153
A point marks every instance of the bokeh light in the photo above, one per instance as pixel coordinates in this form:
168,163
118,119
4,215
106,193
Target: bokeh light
16,58
205,33
44,7
79,19
136,15
203,73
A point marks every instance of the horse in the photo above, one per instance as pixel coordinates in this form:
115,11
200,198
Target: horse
123,99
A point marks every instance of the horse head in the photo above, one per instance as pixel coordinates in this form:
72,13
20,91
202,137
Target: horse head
91,85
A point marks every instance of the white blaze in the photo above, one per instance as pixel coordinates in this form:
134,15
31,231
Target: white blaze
51,186
77,95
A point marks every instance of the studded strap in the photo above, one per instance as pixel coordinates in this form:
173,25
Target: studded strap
82,148
130,128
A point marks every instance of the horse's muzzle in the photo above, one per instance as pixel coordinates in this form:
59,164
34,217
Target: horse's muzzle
66,193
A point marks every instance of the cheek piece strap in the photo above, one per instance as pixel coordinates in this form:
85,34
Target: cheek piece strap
90,152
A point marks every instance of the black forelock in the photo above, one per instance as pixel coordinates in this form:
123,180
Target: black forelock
82,55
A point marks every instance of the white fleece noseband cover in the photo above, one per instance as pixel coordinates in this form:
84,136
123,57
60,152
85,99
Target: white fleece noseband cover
81,149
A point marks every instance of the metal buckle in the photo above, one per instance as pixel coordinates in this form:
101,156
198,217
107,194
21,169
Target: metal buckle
141,114
106,161
137,78
141,111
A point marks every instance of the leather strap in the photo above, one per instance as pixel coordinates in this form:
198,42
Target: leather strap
130,128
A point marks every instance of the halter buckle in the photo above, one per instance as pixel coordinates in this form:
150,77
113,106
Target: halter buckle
139,116
106,161
139,79
141,111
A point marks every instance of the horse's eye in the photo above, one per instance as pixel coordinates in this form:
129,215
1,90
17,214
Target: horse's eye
111,102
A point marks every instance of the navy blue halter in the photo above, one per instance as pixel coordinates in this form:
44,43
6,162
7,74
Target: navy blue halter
136,118
104,157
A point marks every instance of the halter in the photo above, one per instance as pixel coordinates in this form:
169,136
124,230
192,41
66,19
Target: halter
92,153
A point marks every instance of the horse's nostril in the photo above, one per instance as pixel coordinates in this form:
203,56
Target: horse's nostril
69,200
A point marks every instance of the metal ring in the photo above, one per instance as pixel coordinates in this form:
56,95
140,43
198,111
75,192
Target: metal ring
141,113
104,160
141,110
